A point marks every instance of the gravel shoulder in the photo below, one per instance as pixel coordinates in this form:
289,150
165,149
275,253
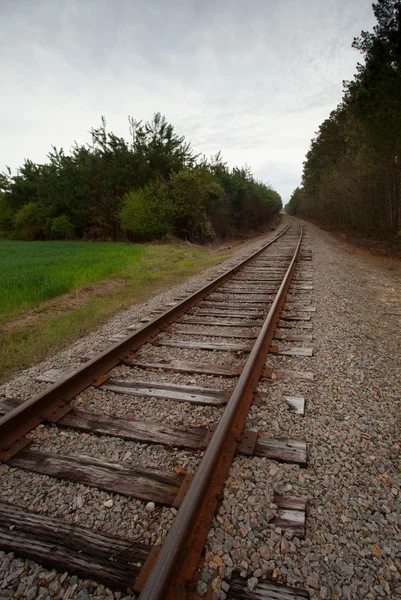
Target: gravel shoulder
352,427
352,547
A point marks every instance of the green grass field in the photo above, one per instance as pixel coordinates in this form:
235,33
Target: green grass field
33,275
31,272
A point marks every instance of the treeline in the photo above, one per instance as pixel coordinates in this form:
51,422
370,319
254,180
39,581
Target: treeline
352,173
141,189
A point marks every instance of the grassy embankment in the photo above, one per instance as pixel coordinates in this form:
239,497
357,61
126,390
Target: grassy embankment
54,292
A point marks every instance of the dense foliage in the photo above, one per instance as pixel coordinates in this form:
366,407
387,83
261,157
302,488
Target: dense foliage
352,173
140,190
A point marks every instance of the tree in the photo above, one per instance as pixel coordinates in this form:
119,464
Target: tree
352,171
189,198
142,188
162,152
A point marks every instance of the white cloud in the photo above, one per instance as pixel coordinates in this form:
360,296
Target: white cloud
252,79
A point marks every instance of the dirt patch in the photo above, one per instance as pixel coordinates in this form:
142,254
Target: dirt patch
63,304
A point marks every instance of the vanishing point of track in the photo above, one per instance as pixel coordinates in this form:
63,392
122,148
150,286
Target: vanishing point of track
249,297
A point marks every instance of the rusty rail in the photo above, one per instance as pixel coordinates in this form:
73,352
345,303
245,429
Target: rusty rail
171,577
54,402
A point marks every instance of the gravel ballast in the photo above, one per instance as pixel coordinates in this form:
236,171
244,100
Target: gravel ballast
352,547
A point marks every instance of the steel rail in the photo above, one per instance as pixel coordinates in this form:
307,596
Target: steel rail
171,577
53,402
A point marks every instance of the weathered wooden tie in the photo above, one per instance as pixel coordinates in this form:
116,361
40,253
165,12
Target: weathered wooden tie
235,314
220,323
205,345
292,336
296,404
293,324
187,367
291,515
216,304
241,291
301,286
298,306
144,484
179,393
265,590
146,432
72,548
216,333
301,352
280,449
241,301
287,316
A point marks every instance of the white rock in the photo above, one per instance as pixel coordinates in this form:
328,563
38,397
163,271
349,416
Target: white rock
252,583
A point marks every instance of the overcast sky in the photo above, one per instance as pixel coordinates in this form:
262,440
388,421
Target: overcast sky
252,78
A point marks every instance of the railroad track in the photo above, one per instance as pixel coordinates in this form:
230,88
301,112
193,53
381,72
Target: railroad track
220,335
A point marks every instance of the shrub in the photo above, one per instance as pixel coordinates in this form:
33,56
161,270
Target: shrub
146,212
62,228
27,222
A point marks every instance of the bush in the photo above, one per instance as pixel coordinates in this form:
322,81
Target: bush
62,228
27,222
146,212
178,206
